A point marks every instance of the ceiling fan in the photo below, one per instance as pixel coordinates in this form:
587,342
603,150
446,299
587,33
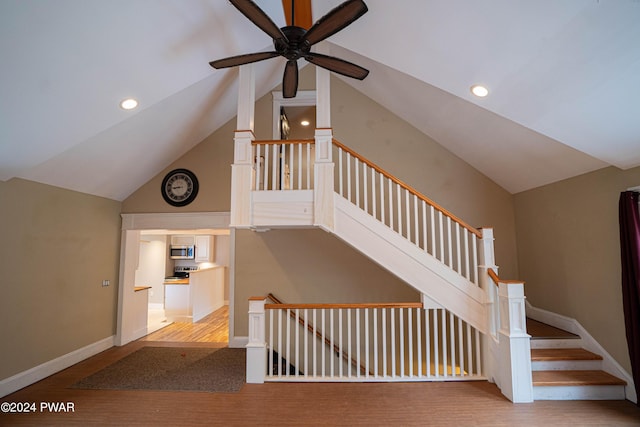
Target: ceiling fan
294,42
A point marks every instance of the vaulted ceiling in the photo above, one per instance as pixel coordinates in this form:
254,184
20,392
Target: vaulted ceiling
564,81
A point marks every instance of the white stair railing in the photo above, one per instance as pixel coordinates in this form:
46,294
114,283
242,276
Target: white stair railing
409,213
364,342
283,165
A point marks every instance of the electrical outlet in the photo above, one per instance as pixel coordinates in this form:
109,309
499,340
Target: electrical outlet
106,283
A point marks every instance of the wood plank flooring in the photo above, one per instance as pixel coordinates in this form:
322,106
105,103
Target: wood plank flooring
212,328
476,403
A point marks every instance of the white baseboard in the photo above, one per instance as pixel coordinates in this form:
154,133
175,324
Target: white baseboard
238,342
609,364
35,374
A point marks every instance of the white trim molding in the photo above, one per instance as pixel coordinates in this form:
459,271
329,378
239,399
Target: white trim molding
35,374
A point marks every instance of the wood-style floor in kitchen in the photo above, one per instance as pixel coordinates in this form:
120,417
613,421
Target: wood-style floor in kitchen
212,328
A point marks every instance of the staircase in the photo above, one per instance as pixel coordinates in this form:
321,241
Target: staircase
563,370
448,261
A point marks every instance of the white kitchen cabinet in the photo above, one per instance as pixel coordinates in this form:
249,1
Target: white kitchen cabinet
204,248
182,240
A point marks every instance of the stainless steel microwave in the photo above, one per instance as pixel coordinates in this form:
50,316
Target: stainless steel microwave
182,252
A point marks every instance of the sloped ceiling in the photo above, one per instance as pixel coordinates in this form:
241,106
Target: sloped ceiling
564,80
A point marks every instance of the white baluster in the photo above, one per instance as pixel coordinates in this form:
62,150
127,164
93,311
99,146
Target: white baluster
297,328
460,347
452,342
375,342
309,175
340,370
391,209
331,335
410,332
449,243
349,177
341,171
433,232
279,343
270,365
466,254
407,214
469,351
393,342
384,342
315,343
366,343
401,339
382,203
474,246
276,161
436,343
356,165
458,262
306,342
399,206
419,339
443,325
427,340
365,187
374,192
424,226
358,363
288,343
322,341
441,229
415,220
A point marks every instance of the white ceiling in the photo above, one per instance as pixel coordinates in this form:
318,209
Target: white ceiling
564,78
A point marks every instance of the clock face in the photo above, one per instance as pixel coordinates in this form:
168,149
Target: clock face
179,187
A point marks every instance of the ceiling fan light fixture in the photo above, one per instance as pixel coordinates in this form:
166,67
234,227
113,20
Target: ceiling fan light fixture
479,91
128,104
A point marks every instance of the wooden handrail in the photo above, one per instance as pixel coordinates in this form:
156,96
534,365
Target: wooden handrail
343,306
493,276
409,188
283,141
497,280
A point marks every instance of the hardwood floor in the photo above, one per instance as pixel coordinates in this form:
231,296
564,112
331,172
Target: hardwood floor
212,328
438,404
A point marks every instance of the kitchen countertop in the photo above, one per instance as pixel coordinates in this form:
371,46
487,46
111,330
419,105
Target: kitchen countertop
140,288
177,282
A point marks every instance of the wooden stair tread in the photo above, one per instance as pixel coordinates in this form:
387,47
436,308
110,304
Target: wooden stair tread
539,330
574,378
556,354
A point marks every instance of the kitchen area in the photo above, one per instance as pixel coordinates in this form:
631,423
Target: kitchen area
182,276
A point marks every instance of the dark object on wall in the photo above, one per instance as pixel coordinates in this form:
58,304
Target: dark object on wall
179,187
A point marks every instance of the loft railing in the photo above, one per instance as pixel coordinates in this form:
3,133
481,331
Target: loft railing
409,213
283,165
392,342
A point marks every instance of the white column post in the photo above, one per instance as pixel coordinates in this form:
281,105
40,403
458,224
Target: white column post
514,345
242,168
486,261
257,346
323,168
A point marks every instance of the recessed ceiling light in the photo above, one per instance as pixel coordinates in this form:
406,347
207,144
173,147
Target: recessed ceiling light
479,91
305,123
128,104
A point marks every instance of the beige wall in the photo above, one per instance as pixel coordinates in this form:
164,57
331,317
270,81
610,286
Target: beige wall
430,168
210,161
308,266
569,252
57,248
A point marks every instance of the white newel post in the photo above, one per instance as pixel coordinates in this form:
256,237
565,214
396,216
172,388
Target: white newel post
486,261
515,347
323,168
242,168
257,346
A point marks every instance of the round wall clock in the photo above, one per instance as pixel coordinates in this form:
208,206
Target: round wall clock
179,187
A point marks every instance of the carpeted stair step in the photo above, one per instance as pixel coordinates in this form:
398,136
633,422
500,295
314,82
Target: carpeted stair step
577,385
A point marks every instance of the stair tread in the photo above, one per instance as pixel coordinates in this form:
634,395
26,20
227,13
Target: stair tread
574,378
539,330
556,354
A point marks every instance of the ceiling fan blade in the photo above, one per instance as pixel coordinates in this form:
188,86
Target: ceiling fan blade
259,18
336,20
337,65
290,79
248,58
